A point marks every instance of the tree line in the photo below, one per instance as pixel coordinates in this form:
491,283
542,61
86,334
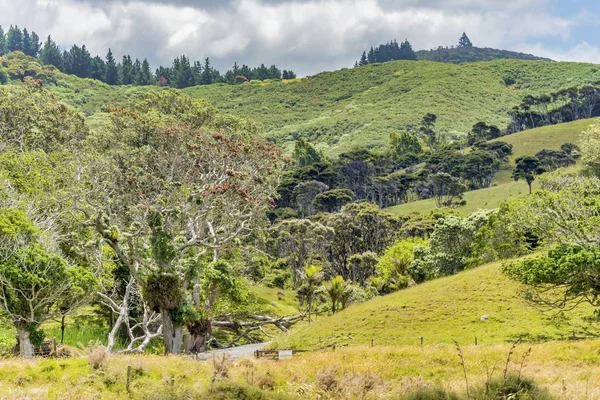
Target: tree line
182,73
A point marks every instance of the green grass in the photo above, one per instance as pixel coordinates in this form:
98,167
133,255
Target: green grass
361,107
344,109
524,143
442,310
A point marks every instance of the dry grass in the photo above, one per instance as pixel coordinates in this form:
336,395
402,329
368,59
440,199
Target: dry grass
570,370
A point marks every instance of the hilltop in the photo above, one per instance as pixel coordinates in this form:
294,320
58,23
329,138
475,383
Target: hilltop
459,55
442,310
361,107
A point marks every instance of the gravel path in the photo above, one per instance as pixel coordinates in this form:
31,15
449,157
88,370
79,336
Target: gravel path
235,352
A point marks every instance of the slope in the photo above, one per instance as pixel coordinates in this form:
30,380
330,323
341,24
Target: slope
439,311
361,107
524,143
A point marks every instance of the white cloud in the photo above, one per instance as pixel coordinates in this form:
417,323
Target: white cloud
307,36
582,52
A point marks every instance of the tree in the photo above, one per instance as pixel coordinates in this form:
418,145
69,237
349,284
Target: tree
304,194
35,45
332,200
361,267
207,73
363,59
427,128
35,284
2,42
527,169
184,183
590,148
405,143
144,75
78,61
313,276
97,69
26,46
337,289
50,54
14,39
564,278
393,267
305,154
446,189
551,160
111,71
464,41
127,71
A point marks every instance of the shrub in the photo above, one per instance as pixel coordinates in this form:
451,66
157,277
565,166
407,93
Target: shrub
96,355
327,379
430,393
514,387
235,391
3,76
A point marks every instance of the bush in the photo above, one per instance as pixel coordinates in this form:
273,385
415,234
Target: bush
514,387
430,393
3,76
234,391
96,355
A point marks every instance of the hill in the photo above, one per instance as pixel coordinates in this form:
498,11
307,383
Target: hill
459,55
442,310
360,107
524,143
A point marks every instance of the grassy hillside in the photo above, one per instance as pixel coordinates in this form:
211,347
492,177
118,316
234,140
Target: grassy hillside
362,106
442,310
524,143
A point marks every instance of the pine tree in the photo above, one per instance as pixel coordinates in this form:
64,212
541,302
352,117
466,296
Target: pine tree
79,62
144,76
14,39
371,56
26,47
127,73
464,41
2,42
50,54
207,76
291,74
35,45
407,52
111,73
97,69
363,59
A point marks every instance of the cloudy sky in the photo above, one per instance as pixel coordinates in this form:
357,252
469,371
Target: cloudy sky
307,36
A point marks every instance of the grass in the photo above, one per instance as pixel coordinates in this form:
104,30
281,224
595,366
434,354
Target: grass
524,143
361,107
442,310
569,370
340,110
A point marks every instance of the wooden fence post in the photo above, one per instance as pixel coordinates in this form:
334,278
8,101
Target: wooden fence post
128,380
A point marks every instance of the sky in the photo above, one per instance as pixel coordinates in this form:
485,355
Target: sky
307,36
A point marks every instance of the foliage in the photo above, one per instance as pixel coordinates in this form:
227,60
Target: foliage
446,189
450,246
527,169
332,200
393,267
590,148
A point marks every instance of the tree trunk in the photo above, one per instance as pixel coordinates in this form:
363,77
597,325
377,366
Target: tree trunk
25,346
199,333
172,335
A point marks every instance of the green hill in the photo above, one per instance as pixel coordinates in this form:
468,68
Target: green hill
459,55
524,143
361,107
442,310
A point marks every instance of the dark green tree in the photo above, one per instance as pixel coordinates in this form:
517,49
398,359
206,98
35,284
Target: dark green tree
127,70
14,39
35,45
144,76
427,128
332,200
363,59
464,41
207,73
527,169
26,47
51,53
304,154
97,69
111,71
2,42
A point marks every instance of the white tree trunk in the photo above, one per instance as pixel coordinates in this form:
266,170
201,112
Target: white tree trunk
172,335
25,346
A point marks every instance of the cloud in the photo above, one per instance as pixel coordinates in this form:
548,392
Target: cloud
581,52
307,36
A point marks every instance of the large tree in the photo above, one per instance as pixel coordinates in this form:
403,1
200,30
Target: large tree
175,182
527,169
36,283
51,53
